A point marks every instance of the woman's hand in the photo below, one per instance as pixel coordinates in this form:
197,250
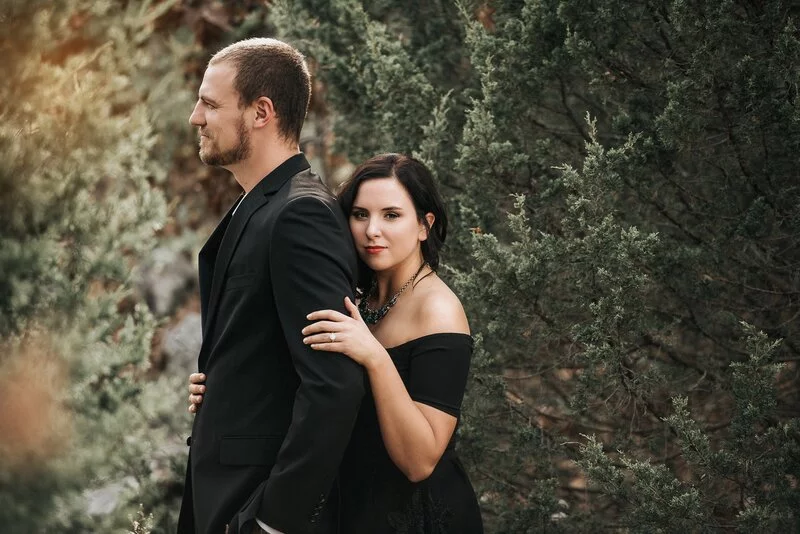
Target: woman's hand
336,332
196,389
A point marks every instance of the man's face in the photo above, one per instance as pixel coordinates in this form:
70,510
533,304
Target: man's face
224,138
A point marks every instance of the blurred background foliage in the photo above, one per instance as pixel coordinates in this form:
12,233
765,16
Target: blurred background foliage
622,179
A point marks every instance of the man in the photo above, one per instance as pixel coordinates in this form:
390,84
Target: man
277,416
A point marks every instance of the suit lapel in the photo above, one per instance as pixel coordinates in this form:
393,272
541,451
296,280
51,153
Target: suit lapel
208,257
232,234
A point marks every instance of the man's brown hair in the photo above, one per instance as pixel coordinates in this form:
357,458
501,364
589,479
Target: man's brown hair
276,70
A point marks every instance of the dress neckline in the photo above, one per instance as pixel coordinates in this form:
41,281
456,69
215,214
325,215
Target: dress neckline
426,336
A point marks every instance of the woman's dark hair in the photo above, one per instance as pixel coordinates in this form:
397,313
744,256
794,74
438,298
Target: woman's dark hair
418,182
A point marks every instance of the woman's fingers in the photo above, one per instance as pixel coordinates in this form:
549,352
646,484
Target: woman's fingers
196,390
323,338
326,315
352,308
321,326
327,346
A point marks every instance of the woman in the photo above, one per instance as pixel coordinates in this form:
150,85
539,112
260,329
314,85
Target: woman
409,331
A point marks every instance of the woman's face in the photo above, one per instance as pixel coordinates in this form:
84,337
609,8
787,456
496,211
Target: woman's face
384,224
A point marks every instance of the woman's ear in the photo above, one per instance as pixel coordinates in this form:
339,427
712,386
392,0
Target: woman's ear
265,112
423,231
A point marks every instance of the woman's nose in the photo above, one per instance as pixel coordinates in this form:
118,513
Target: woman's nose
373,228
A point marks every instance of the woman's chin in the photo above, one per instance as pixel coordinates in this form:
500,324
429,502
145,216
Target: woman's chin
376,264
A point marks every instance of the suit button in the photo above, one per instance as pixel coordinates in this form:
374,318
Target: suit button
189,441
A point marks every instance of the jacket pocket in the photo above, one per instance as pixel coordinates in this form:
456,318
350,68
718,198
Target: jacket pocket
249,450
239,281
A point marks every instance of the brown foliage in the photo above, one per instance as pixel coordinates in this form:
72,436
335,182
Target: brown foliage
34,423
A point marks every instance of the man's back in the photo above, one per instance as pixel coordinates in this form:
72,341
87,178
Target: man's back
277,416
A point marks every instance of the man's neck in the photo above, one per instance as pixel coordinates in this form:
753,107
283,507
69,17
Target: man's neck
250,172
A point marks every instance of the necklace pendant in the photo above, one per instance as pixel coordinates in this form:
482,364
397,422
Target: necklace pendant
373,316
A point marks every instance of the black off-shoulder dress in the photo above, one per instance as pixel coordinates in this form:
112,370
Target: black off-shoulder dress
376,497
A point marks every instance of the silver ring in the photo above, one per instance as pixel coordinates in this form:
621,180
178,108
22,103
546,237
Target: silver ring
332,337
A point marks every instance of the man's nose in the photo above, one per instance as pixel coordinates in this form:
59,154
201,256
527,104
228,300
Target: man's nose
196,118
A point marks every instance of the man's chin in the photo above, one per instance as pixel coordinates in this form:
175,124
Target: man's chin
209,159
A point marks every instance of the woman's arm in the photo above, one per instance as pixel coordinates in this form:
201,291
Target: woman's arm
415,434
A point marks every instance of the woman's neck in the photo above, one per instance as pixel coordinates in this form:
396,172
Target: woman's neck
391,280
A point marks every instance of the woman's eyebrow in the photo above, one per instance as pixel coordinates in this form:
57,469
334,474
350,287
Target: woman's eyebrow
390,208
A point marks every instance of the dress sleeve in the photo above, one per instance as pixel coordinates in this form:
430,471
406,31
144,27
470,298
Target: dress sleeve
439,367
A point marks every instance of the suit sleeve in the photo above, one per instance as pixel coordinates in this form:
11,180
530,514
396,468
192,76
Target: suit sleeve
312,264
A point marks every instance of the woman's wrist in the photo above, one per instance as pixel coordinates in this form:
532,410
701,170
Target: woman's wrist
379,358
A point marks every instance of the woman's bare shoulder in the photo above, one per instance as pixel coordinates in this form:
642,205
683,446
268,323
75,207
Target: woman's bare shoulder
437,310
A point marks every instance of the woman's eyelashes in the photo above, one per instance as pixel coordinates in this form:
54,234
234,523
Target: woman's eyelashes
363,215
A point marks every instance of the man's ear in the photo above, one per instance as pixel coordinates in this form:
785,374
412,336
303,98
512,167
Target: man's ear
265,112
423,232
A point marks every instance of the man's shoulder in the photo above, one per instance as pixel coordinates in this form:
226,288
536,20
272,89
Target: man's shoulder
306,193
308,184
308,202
302,193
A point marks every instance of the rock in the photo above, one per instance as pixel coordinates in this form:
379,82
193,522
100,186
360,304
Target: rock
103,501
181,345
164,280
162,470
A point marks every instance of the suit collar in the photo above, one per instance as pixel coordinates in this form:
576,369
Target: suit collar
272,182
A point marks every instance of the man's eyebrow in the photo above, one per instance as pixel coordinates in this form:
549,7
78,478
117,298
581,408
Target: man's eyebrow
207,100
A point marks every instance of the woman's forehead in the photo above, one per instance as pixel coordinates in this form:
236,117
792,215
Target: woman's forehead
381,192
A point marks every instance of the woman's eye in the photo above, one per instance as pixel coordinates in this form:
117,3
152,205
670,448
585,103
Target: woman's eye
359,215
391,215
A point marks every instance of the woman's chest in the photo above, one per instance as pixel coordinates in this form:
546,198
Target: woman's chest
396,328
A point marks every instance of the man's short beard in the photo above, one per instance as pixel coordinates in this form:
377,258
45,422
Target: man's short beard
233,155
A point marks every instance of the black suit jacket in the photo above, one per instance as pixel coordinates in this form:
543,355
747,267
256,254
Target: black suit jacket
276,416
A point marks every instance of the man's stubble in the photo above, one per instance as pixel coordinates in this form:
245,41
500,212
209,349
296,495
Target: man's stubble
237,153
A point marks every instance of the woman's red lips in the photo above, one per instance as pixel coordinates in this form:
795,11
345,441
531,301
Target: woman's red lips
373,250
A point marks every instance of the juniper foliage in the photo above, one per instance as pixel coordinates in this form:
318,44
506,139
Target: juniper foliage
80,161
628,173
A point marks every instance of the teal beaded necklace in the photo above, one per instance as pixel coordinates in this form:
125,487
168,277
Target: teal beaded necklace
371,316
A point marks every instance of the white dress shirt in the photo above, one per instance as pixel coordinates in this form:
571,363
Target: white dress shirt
268,529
